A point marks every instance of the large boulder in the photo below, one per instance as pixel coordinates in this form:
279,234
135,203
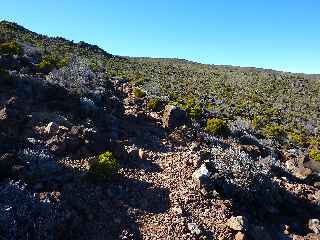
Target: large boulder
174,117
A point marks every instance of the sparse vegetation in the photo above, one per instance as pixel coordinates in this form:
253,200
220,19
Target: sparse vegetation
11,48
275,131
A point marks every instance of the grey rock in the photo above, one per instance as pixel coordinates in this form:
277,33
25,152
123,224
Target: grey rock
194,146
201,176
52,128
249,140
194,229
314,225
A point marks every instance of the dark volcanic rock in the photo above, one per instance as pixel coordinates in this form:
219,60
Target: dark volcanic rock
174,117
6,163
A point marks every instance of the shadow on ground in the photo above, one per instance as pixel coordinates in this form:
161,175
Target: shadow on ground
67,205
268,206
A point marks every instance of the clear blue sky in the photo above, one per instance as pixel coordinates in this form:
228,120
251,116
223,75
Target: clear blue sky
277,34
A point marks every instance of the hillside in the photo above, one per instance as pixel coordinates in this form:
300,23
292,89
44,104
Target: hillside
97,146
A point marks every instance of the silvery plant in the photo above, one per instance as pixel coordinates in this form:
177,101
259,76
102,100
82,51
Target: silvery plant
77,77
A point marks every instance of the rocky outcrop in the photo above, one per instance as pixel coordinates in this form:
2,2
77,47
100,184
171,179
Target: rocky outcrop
173,117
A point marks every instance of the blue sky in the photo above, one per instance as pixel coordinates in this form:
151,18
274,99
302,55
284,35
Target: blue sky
277,34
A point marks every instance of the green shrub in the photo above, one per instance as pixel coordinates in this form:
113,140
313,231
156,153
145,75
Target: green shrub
50,62
47,64
274,131
217,126
314,154
139,93
153,104
11,48
193,109
63,62
105,167
315,141
297,138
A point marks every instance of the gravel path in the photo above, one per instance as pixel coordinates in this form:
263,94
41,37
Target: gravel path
186,204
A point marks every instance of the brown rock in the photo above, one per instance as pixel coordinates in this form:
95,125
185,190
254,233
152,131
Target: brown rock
173,117
310,236
252,150
296,167
240,236
238,223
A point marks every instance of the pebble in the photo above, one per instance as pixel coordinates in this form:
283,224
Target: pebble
194,229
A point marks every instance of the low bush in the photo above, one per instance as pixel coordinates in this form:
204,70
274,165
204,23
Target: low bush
139,93
63,62
314,154
153,104
217,126
11,48
314,141
105,167
274,131
259,120
193,109
297,138
47,64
